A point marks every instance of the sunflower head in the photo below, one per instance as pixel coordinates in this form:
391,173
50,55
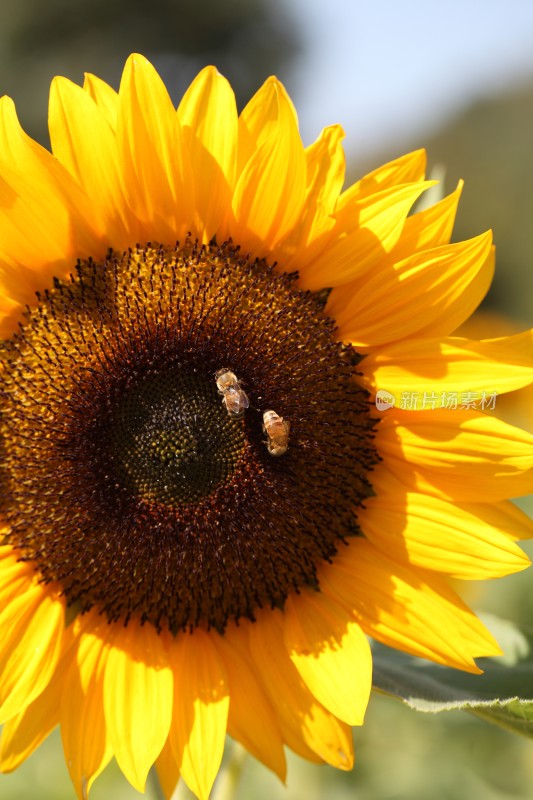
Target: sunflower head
204,512
138,469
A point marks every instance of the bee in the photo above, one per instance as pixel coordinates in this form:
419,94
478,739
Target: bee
233,397
277,431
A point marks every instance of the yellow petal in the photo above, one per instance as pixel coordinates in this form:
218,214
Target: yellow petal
31,629
437,535
259,119
84,142
10,312
251,718
27,169
408,168
208,118
308,728
401,299
451,372
24,732
16,577
461,455
270,190
261,647
37,194
83,728
138,690
200,710
366,230
104,96
31,201
505,516
429,228
18,281
406,608
452,315
479,641
157,180
422,231
331,653
325,175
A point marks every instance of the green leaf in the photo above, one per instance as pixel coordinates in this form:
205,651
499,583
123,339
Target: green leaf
503,695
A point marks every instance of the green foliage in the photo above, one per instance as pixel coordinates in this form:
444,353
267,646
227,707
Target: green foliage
503,695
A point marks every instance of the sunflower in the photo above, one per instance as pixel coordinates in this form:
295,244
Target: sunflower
204,515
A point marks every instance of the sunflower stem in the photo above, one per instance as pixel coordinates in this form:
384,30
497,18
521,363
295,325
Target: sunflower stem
230,774
154,786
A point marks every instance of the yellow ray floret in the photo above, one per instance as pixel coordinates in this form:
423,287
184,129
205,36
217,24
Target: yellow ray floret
466,458
331,653
434,534
200,714
137,693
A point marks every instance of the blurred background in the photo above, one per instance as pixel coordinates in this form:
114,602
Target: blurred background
454,77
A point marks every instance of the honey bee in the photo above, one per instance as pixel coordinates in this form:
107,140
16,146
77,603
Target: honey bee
277,431
233,397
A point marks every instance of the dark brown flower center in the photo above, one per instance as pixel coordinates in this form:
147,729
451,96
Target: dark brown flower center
124,478
170,440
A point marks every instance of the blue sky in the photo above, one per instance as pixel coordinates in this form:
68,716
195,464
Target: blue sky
391,70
